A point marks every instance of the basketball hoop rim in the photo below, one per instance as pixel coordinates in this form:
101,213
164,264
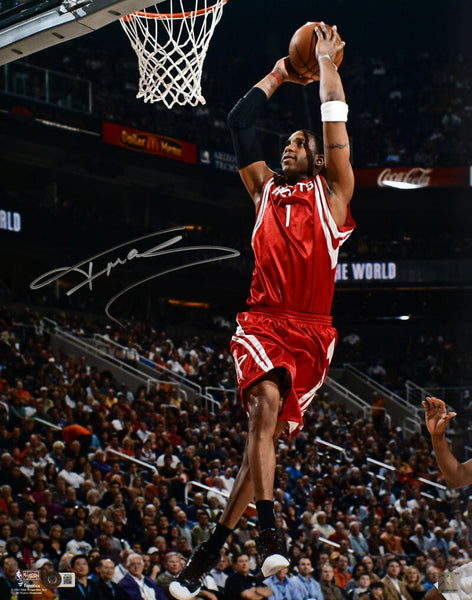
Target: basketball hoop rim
175,16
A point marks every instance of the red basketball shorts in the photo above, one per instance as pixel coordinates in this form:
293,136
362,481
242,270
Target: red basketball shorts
268,338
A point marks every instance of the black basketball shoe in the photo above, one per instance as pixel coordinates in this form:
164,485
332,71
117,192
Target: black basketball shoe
188,583
273,550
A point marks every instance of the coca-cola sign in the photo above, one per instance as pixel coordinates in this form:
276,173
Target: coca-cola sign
405,179
413,177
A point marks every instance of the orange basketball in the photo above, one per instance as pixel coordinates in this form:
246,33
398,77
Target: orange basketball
301,51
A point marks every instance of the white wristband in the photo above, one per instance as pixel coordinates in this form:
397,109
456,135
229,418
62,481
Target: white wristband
329,58
334,111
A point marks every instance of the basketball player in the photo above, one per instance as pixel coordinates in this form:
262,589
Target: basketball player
437,418
456,475
283,345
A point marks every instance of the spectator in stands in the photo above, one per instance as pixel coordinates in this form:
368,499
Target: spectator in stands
173,565
57,454
408,546
250,549
439,541
45,568
228,479
357,540
69,475
16,480
390,540
201,531
183,547
432,577
107,588
121,569
412,581
341,570
339,534
183,526
376,590
241,581
78,545
394,588
85,588
195,507
420,540
100,462
457,523
368,564
280,586
362,587
329,588
303,584
137,585
214,492
219,573
242,532
8,582
214,510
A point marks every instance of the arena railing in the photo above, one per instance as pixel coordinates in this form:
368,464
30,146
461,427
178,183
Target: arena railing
100,345
231,393
342,451
396,402
90,349
191,484
47,86
202,486
438,486
134,355
380,464
136,460
381,388
415,394
348,397
48,423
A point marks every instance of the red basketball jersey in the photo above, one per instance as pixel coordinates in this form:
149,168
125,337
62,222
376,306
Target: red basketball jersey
296,244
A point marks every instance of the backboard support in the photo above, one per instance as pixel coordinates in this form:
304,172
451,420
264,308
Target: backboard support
34,26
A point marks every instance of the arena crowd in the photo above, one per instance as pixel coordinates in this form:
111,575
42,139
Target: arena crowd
70,503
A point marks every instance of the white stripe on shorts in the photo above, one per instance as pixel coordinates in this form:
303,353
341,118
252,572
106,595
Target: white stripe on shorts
251,343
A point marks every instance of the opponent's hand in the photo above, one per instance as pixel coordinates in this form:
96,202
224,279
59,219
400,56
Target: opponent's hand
436,415
286,72
328,41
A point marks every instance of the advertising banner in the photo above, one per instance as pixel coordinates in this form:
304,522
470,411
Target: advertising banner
402,272
149,143
215,159
405,178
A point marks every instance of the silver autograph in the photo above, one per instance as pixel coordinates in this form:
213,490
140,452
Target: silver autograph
86,267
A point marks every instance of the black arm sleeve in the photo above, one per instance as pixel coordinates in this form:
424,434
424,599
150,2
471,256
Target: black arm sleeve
241,122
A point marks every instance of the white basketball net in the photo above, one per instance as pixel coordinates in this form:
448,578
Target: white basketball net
171,48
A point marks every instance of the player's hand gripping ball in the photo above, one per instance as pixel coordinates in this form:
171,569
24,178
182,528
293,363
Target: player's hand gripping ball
302,53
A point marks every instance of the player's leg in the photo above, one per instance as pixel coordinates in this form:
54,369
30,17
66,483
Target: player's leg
263,403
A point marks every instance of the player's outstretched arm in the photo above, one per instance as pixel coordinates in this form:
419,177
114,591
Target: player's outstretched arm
437,419
241,122
339,173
